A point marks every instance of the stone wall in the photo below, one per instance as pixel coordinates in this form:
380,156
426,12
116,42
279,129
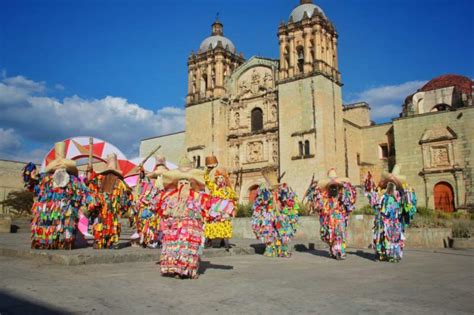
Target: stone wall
455,167
310,109
172,146
371,159
359,233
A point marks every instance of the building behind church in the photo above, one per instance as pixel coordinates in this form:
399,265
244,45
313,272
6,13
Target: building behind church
287,114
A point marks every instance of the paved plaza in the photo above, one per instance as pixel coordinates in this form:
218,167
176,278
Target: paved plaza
425,282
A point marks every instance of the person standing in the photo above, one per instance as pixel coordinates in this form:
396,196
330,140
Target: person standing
115,198
222,205
394,203
333,198
275,215
149,193
182,210
60,194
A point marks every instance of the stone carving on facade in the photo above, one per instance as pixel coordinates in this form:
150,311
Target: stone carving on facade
440,156
275,152
255,151
268,80
237,119
274,113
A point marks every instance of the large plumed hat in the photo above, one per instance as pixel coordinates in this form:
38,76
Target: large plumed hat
160,167
220,171
112,166
185,171
332,179
60,161
394,177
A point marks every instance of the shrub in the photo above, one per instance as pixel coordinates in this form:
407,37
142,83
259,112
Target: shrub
462,228
367,210
19,201
425,212
304,209
244,210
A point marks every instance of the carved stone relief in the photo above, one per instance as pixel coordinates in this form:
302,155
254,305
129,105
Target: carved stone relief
255,81
439,156
255,151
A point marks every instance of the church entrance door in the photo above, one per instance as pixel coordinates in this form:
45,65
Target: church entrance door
444,197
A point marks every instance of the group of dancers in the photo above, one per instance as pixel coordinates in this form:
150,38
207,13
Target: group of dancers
184,209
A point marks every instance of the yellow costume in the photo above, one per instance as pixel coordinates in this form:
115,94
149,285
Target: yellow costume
218,224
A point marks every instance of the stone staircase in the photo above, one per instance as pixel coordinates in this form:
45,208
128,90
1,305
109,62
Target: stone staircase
21,225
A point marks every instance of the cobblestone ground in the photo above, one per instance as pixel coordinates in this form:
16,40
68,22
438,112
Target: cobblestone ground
425,282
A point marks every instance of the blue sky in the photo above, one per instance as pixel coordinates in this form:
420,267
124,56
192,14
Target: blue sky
121,59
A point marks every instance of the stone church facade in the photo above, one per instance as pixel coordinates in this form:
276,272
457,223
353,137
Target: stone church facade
287,114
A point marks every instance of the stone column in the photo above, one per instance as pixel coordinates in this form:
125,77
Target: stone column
209,91
198,83
219,88
283,65
307,68
291,52
317,47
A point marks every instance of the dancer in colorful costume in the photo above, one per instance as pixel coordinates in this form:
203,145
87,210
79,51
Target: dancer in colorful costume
182,209
394,204
148,195
115,198
275,215
222,204
333,198
59,196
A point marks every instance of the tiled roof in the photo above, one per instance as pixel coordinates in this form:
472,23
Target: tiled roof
462,83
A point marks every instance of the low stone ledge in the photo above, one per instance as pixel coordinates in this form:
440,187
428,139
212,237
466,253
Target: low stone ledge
5,223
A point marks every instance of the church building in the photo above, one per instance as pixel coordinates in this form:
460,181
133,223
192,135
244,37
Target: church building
287,114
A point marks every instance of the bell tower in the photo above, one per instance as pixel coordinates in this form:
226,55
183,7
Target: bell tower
215,60
308,44
311,129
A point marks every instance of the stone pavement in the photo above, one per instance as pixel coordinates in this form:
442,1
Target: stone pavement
425,282
18,245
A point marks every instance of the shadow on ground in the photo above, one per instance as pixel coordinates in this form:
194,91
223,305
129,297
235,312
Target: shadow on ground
311,250
362,254
10,304
259,248
204,265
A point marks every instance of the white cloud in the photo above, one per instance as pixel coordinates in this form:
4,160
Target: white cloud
43,120
386,101
59,87
9,140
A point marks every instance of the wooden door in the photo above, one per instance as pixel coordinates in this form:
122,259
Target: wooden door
253,193
444,197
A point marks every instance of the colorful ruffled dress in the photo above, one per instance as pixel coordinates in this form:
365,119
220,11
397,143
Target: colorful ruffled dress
393,213
183,234
333,216
148,196
112,204
56,210
275,219
222,205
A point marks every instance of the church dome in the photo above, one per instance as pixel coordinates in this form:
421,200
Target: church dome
305,6
214,40
461,83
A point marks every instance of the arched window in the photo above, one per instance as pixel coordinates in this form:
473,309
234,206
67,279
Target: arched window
306,148
300,148
440,108
300,58
257,119
203,87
